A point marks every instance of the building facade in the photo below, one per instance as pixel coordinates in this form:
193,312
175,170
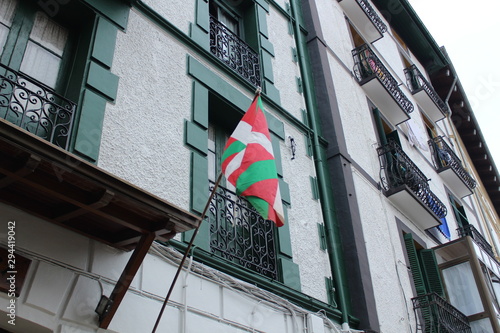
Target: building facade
413,186
113,118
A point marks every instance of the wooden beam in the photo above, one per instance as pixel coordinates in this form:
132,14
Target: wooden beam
61,191
126,278
27,168
103,201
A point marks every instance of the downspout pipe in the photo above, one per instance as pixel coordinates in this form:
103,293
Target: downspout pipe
327,203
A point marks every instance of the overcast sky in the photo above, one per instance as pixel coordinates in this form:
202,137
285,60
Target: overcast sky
470,30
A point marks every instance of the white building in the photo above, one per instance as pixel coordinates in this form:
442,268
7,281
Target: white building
113,117
409,168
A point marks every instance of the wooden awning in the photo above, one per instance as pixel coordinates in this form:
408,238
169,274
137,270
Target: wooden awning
57,186
60,187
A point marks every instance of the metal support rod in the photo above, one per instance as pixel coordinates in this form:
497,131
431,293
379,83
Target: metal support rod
186,253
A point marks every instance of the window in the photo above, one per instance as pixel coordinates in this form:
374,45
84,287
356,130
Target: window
399,39
43,57
428,284
237,232
231,30
7,8
34,43
424,269
230,20
384,130
430,128
37,51
459,213
356,37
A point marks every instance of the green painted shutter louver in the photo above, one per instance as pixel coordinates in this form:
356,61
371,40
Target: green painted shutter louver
431,272
418,278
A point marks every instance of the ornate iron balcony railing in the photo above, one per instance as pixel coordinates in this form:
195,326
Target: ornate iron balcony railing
416,81
470,230
367,65
35,107
239,234
229,48
439,316
396,169
372,15
443,157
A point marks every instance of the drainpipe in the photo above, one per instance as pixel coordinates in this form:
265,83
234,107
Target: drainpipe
327,204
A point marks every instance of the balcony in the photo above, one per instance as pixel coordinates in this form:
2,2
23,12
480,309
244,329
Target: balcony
471,231
450,168
380,86
437,315
234,52
407,187
239,234
365,19
468,271
35,107
425,95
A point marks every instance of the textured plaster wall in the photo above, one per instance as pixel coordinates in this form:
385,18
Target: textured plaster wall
143,133
285,70
359,130
303,216
390,278
336,30
179,12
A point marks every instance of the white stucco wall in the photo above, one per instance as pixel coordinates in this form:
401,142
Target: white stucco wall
303,216
390,277
143,132
180,13
285,70
357,123
335,30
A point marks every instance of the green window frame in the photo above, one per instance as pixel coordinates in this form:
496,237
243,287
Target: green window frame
206,86
237,232
459,212
253,30
85,76
424,268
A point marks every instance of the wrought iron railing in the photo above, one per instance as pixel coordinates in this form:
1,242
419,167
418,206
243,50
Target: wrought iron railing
239,234
416,81
470,230
443,156
367,65
439,316
372,15
35,107
229,48
397,169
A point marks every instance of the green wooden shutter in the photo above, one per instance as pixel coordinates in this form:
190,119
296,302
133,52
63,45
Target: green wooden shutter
431,272
418,278
419,282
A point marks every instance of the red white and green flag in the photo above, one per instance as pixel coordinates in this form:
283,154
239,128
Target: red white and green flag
248,163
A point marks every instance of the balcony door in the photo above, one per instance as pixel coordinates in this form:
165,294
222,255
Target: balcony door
33,43
34,54
459,212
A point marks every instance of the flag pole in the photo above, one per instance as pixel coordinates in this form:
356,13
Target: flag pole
186,252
